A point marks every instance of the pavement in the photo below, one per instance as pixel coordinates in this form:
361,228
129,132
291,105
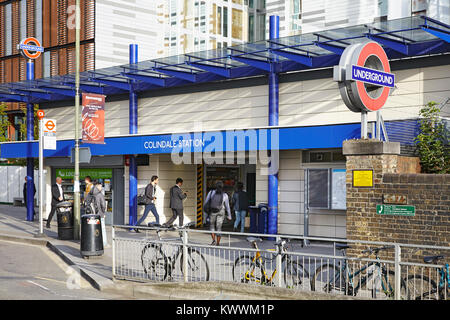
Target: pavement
30,271
97,271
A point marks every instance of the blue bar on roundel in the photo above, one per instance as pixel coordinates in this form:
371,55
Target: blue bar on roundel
373,76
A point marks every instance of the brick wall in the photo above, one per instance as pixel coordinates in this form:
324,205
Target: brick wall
430,194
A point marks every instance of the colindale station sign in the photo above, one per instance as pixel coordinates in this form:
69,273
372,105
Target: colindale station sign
364,77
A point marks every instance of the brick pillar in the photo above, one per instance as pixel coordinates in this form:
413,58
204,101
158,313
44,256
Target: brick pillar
381,157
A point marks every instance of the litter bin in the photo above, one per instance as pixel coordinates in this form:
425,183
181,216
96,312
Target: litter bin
254,211
64,216
262,218
91,243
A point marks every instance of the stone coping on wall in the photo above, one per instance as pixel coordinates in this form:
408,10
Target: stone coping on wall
369,147
416,178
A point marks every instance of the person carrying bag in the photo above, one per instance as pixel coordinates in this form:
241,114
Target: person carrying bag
150,198
216,204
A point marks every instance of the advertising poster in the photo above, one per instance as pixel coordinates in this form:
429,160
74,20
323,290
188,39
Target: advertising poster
93,118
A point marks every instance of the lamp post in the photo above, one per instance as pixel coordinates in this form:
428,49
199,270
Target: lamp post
76,187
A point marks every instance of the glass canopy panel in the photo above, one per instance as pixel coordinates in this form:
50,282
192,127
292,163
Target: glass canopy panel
406,29
257,50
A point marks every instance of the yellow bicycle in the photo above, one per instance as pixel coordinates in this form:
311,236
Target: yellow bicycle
248,269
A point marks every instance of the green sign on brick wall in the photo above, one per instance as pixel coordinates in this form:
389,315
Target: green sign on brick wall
396,210
94,173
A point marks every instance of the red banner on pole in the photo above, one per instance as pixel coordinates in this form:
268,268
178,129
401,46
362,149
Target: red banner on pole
93,118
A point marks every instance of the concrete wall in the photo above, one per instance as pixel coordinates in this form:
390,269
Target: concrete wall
291,206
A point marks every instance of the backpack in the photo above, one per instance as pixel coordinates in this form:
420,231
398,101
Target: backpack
214,203
243,200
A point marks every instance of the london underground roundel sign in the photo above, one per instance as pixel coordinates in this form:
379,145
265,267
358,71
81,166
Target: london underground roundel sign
31,48
364,77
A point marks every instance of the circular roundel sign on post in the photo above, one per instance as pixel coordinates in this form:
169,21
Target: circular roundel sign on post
40,114
30,48
364,77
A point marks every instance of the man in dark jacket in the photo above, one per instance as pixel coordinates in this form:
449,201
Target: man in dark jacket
25,193
57,197
150,193
176,202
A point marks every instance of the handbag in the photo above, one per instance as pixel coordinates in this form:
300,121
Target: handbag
142,199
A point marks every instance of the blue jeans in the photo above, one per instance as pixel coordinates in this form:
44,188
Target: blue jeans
240,218
149,207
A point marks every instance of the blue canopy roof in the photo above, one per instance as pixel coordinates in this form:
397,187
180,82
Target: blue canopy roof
407,37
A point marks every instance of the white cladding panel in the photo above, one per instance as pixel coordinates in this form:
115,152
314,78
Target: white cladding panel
119,23
302,103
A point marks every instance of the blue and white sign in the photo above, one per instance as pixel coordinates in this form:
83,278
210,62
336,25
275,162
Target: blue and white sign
30,47
373,76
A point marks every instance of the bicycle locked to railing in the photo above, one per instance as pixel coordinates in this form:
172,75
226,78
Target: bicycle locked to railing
159,265
423,287
253,269
373,276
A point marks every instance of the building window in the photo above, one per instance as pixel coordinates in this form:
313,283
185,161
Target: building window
326,188
219,20
419,6
296,14
225,22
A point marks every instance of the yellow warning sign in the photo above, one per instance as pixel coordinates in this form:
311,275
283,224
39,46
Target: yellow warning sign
362,178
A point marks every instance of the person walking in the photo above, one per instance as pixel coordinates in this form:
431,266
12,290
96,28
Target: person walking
57,197
176,203
216,205
150,194
96,200
25,194
240,205
89,184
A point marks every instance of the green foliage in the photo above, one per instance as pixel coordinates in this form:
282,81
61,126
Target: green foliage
432,142
23,126
4,123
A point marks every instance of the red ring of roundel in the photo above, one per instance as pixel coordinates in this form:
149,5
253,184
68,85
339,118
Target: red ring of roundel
37,43
369,49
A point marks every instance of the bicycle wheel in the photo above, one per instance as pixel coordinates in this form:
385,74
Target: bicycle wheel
247,271
154,262
421,287
328,279
296,276
198,269
386,289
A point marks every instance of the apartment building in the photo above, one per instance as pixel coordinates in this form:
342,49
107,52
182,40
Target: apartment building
202,25
107,27
305,16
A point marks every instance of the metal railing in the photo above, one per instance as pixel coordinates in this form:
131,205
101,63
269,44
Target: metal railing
366,269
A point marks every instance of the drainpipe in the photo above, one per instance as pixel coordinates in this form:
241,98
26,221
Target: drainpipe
133,129
273,121
30,161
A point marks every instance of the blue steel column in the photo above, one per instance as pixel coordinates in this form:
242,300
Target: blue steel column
30,161
133,110
272,227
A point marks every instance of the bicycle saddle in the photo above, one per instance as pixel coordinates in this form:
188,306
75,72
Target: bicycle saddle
342,246
253,239
430,259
